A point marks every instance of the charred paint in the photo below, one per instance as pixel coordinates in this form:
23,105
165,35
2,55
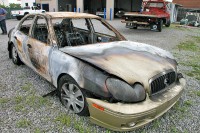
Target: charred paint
91,65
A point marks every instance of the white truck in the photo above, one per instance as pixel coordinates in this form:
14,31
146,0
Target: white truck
19,14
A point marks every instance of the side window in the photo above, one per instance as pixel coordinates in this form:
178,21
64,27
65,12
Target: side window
101,28
80,24
26,25
40,30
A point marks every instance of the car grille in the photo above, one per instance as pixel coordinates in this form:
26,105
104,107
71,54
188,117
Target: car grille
162,81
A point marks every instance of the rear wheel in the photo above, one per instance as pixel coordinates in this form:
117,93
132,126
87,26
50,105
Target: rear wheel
15,58
168,23
18,17
72,96
135,27
160,25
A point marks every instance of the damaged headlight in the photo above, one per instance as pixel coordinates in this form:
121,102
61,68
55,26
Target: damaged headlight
124,92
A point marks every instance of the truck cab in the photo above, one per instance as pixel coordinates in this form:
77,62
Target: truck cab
19,14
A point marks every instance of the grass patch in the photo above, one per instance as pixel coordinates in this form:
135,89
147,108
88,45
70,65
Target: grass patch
188,46
173,129
26,87
177,27
4,100
188,103
36,101
78,125
64,119
18,99
37,130
23,123
191,60
19,108
32,101
197,93
156,124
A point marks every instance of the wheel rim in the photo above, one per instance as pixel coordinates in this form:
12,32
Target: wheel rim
72,97
154,27
14,53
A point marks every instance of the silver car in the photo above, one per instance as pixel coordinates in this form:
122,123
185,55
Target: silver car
121,85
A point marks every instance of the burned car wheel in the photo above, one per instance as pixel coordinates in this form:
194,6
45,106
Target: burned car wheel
72,96
15,58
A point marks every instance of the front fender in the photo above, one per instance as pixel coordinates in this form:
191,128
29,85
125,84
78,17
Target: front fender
86,76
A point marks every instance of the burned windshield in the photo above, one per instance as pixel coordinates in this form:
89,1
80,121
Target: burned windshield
82,31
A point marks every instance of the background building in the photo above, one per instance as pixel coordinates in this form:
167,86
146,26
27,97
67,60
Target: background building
48,5
187,5
25,3
90,6
4,2
192,4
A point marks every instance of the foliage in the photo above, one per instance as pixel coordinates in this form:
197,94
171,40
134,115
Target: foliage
13,5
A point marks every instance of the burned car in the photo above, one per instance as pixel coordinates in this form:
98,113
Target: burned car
121,85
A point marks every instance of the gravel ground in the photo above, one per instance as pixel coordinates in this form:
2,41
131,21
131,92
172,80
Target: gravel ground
23,109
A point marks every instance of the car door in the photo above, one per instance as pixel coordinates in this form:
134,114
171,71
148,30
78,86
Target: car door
22,35
38,46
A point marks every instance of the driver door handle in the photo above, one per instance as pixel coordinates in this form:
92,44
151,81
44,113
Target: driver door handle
29,46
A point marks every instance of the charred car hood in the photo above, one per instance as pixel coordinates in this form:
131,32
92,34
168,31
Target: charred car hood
131,61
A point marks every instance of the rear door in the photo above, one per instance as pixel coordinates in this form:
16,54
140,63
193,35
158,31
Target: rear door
22,35
39,47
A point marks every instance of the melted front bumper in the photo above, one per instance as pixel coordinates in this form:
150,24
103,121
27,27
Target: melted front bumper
126,117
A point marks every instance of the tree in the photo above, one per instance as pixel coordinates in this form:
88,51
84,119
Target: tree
13,5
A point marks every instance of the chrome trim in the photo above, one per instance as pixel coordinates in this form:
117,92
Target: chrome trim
159,75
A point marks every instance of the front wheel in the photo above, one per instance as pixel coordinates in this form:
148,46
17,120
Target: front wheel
72,96
15,58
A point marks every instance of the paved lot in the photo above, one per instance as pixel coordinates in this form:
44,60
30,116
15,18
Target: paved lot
22,109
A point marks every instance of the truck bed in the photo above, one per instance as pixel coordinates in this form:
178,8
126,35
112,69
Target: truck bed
137,14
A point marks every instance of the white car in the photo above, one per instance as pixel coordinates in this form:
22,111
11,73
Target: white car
19,14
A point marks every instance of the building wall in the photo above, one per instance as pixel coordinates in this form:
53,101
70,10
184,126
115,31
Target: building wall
62,5
53,4
128,5
188,3
30,3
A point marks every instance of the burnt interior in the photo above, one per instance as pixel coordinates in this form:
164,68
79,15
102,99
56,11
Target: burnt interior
69,35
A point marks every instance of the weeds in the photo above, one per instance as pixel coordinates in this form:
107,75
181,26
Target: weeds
4,100
26,87
192,59
23,123
63,119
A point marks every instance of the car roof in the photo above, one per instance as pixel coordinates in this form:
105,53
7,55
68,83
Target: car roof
69,15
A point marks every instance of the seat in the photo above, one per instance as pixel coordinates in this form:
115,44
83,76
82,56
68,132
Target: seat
73,38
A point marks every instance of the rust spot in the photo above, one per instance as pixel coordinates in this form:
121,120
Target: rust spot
19,44
37,59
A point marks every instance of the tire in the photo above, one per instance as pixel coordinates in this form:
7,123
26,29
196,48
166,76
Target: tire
14,55
72,96
153,26
160,25
26,13
168,23
18,18
135,27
